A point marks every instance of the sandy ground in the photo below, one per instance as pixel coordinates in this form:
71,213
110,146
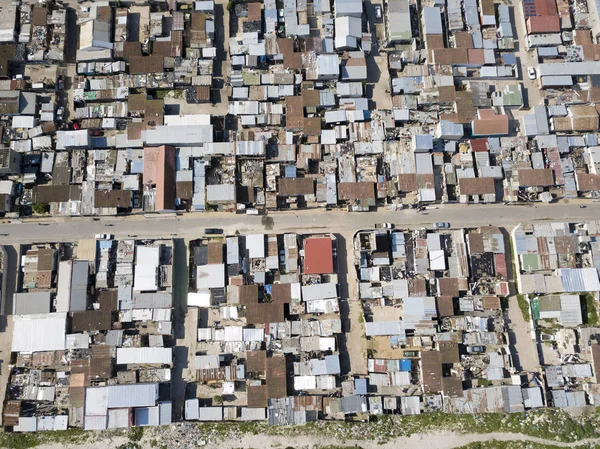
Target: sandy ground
437,440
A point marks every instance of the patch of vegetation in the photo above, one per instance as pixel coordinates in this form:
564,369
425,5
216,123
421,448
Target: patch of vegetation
40,209
29,440
548,424
136,433
524,306
484,383
217,400
495,444
590,307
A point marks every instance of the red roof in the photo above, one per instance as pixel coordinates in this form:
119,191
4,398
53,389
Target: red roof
543,24
318,255
479,144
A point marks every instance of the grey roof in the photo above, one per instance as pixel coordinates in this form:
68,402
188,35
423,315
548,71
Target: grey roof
153,300
532,397
432,20
398,21
134,395
31,303
353,404
569,68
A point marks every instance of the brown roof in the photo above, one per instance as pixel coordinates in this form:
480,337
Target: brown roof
203,94
256,361
587,182
291,60
478,144
92,320
434,41
487,7
417,287
462,39
215,253
134,130
595,349
584,117
7,54
448,287
445,306
254,12
131,49
176,43
248,294
452,386
476,186
281,293
264,313
450,56
543,24
446,94
536,177
162,48
184,189
407,182
490,124
139,65
490,303
449,352
311,98
294,113
312,126
112,198
46,194
364,191
276,377
564,244
159,169
136,102
257,396
109,300
39,16
465,109
100,364
431,362
476,56
296,186
475,240
45,259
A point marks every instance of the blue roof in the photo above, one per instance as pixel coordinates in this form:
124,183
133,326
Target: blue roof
290,171
405,365
360,386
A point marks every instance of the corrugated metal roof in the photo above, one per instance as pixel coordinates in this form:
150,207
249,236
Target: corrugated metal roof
133,395
142,356
43,332
210,413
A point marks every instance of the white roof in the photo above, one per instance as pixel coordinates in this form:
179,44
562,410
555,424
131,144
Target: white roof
199,299
210,276
141,356
146,268
319,291
43,332
437,260
23,121
193,119
255,244
96,401
305,382
181,134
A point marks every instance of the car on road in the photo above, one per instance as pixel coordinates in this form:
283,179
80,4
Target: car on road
377,11
213,231
475,349
103,236
442,225
384,226
531,73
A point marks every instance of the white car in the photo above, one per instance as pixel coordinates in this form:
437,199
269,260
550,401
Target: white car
103,236
377,12
531,73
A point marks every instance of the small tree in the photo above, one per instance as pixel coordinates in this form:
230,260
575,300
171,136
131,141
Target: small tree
40,209
218,399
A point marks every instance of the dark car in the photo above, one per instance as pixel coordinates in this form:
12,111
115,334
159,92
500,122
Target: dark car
213,231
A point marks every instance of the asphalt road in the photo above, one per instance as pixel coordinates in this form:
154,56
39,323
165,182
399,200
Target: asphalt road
318,220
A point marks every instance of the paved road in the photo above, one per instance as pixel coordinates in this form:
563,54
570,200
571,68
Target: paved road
192,225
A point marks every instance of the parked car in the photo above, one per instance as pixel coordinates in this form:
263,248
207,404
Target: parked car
531,73
213,231
384,226
442,225
411,353
103,236
377,11
547,337
475,349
